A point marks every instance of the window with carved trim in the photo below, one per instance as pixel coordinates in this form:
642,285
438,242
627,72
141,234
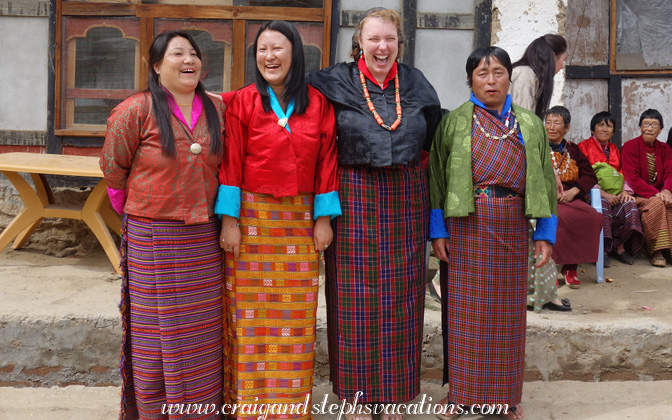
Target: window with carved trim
103,47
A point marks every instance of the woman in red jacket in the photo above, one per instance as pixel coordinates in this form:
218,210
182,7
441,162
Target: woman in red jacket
277,195
623,236
647,165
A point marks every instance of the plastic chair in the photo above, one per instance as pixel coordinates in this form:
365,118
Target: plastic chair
596,203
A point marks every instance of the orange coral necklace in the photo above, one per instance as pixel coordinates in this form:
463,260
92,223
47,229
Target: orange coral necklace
372,108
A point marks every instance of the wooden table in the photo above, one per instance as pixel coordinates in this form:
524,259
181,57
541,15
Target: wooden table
96,212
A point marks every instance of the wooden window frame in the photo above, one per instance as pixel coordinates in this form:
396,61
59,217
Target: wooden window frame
146,13
612,49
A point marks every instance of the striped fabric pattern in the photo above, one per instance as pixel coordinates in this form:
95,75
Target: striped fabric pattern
376,283
656,222
621,225
651,166
172,316
271,304
484,283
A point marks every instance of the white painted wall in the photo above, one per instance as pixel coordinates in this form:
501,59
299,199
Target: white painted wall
516,23
24,75
640,95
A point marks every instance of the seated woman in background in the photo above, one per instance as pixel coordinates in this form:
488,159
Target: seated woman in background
647,165
579,225
623,235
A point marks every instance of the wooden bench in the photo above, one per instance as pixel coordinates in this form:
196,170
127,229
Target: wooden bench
96,212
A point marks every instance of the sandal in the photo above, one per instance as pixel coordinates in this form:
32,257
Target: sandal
657,260
625,257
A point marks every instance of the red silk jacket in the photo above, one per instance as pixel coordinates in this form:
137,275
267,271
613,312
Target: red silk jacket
262,157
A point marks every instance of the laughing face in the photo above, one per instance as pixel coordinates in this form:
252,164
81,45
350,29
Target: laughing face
379,42
274,59
180,69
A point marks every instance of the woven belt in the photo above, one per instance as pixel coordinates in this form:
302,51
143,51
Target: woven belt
493,191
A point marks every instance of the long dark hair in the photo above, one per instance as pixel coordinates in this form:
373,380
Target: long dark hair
160,100
539,56
295,84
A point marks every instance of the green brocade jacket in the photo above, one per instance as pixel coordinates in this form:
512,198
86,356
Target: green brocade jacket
450,172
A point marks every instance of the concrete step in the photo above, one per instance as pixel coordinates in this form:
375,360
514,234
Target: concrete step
59,325
573,400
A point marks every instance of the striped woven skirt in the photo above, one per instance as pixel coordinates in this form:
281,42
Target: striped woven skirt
483,290
657,223
271,303
172,318
622,226
376,271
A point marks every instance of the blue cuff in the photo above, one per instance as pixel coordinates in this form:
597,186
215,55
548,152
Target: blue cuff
327,204
228,201
546,228
437,225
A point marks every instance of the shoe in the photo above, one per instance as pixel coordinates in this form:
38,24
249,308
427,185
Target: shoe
657,260
565,307
607,261
444,402
625,257
513,409
571,278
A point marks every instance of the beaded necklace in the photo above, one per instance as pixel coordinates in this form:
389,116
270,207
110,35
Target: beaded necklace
372,108
490,136
566,158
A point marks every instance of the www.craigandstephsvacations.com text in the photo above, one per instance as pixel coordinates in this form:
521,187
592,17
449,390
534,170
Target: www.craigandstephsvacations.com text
262,411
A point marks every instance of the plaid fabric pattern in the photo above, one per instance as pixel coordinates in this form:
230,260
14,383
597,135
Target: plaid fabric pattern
486,167
657,223
271,304
172,316
621,225
376,283
484,283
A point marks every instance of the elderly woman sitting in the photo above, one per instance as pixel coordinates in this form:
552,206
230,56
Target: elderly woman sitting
579,225
623,236
647,165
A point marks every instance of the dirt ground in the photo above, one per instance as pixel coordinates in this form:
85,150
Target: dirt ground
637,291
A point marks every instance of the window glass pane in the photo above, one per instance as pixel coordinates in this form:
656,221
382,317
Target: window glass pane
280,3
642,36
213,38
94,111
100,57
262,3
105,60
311,35
192,2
